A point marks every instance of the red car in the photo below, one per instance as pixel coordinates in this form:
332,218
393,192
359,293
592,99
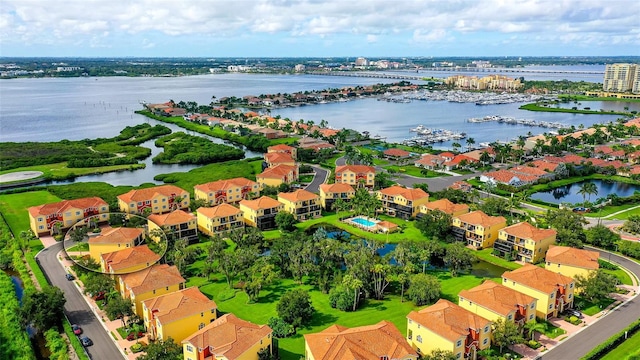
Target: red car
99,296
133,336
76,329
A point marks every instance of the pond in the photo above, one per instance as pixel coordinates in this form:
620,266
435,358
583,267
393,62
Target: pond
569,193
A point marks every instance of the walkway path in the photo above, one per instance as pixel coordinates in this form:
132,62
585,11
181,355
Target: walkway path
620,212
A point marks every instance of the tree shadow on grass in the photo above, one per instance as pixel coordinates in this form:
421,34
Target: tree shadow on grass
275,292
320,319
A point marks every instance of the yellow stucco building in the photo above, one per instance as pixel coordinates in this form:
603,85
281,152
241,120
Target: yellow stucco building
178,314
553,292
48,218
493,301
570,261
261,212
277,175
446,206
283,148
154,281
402,202
524,242
228,338
128,260
156,200
219,219
277,158
356,175
179,224
329,193
226,191
447,326
114,239
477,228
301,203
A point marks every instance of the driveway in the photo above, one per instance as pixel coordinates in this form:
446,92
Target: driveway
435,184
320,177
76,307
613,322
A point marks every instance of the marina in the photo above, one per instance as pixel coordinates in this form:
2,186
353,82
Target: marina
426,136
513,121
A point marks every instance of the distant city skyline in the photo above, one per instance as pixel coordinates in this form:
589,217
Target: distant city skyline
318,28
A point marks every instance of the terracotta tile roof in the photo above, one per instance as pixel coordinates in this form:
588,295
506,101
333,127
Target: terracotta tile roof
528,170
370,342
277,172
126,258
573,159
497,298
336,188
633,122
396,152
223,185
355,169
506,176
635,170
318,146
446,206
573,257
328,132
119,235
459,158
222,210
478,217
154,277
64,205
448,319
461,185
179,305
430,160
447,154
228,336
524,230
409,194
175,217
537,278
298,195
280,147
278,158
263,202
148,193
633,142
543,165
387,225
604,149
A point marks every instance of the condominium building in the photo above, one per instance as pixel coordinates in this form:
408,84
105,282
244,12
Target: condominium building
301,203
571,262
402,202
277,175
219,219
261,212
153,281
128,260
524,242
477,228
177,224
329,193
276,158
226,191
356,175
493,301
444,205
155,200
621,78
282,148
55,217
114,239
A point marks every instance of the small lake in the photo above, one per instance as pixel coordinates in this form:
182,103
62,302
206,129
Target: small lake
569,193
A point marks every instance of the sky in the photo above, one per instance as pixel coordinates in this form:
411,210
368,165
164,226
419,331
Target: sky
319,28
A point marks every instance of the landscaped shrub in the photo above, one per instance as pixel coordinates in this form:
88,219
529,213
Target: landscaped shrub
136,348
280,328
341,299
573,320
533,344
599,351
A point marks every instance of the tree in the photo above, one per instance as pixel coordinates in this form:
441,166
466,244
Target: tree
494,206
597,285
456,146
587,189
381,274
295,308
354,285
457,257
569,227
162,350
119,308
506,333
280,328
470,141
435,224
98,283
262,273
439,354
285,221
532,327
43,309
632,224
601,236
423,289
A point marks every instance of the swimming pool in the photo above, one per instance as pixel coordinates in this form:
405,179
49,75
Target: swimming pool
364,222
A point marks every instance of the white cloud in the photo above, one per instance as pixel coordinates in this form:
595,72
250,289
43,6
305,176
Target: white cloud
372,38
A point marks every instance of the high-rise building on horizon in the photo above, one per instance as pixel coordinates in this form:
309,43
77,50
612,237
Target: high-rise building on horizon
621,78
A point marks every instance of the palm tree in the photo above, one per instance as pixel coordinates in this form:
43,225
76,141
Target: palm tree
532,327
470,141
587,189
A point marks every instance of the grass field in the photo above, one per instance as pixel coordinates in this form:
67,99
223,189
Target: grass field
14,207
414,171
213,172
626,350
486,255
61,171
589,308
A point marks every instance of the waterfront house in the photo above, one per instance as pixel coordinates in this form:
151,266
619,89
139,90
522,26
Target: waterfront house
477,229
261,212
462,186
430,162
157,199
402,202
553,291
228,338
381,341
356,175
114,239
449,327
150,282
277,175
396,154
329,193
301,203
524,242
219,219
571,262
276,158
283,148
177,224
226,191
128,260
444,205
458,161
507,177
493,301
178,314
50,218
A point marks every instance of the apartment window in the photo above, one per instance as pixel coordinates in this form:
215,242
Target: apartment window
419,339
189,348
532,306
41,227
531,317
410,321
510,317
459,343
68,213
164,200
458,355
558,265
77,212
133,205
154,291
200,326
485,341
571,286
552,294
570,295
550,306
504,280
486,329
202,314
167,288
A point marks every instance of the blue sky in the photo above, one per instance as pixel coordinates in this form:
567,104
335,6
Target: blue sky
319,28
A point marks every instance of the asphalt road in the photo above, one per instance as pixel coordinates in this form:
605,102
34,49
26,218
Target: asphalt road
319,178
581,343
76,308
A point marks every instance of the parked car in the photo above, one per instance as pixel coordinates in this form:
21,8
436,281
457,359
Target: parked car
76,329
69,276
86,341
576,313
99,296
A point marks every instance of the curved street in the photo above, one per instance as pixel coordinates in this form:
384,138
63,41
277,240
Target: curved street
76,308
616,320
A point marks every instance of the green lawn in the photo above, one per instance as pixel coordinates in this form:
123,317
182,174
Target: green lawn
79,247
622,275
625,215
414,171
551,331
486,255
213,172
589,308
61,171
626,350
14,207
